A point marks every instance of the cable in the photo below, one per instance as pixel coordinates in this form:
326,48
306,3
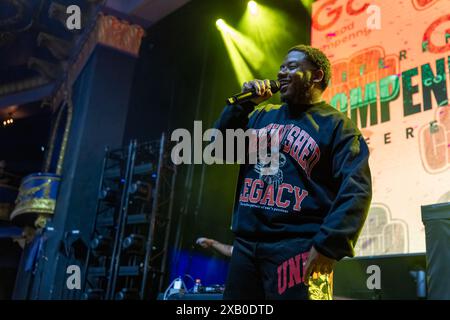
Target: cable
165,296
193,281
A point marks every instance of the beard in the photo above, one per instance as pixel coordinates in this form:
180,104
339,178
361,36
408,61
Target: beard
299,92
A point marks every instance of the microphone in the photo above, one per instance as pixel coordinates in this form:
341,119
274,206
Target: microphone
248,95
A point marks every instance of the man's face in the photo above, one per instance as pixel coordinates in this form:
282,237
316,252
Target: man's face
295,77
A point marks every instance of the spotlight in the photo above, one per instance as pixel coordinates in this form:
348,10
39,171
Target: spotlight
109,195
253,7
8,121
127,294
141,190
93,294
134,244
101,245
220,23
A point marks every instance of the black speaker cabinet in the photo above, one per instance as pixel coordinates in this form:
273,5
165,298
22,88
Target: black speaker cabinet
401,277
436,219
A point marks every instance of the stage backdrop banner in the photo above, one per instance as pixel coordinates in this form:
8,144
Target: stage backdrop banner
390,75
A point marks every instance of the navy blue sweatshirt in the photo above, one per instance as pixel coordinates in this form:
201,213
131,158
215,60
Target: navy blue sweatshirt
322,189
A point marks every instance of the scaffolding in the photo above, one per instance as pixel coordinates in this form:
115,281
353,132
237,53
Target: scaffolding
127,256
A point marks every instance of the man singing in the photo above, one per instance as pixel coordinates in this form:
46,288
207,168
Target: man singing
293,225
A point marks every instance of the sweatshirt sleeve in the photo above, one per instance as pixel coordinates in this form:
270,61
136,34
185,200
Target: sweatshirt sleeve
234,117
350,166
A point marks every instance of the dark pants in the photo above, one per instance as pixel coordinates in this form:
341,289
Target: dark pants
267,270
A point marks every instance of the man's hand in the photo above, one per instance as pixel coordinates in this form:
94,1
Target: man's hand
317,262
262,89
205,242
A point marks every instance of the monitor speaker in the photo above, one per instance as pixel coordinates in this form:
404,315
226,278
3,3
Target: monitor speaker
436,219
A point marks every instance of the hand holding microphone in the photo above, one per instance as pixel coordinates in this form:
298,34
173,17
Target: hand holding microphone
255,91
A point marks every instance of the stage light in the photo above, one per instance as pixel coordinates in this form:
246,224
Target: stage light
245,45
93,294
253,8
101,245
232,38
127,294
220,23
267,31
109,195
8,121
141,190
134,244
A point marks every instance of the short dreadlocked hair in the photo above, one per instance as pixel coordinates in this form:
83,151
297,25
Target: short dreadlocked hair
319,59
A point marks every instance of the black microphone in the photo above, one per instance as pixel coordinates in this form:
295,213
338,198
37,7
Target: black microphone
248,95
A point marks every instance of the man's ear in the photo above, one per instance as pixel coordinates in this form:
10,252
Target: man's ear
318,75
